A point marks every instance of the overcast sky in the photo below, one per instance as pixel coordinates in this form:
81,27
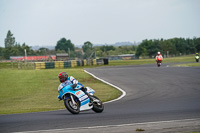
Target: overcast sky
44,22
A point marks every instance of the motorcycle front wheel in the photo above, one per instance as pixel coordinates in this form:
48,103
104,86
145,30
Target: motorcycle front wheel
73,108
98,106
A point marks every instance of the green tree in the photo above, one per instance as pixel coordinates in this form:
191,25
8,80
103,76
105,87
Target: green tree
42,51
60,51
142,49
168,46
88,49
197,44
87,46
106,48
78,53
6,52
179,44
64,44
99,53
17,50
1,53
9,40
190,46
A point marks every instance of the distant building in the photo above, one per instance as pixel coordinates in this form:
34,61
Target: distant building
127,56
122,57
32,58
62,56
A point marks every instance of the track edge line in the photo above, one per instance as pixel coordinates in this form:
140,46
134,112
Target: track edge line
123,92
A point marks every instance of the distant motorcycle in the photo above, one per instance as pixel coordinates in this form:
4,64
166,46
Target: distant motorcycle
159,59
197,58
76,100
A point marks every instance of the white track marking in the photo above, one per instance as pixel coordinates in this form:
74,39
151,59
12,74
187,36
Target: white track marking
123,92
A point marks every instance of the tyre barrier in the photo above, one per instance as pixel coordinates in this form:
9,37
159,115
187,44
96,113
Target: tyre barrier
59,64
67,64
40,65
49,65
64,64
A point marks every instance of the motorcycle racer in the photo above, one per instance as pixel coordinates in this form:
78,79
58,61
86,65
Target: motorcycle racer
159,57
65,80
197,57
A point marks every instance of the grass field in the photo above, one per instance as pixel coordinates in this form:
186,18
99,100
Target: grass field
24,91
189,58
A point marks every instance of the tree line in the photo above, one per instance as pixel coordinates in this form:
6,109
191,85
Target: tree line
13,48
106,50
88,50
175,46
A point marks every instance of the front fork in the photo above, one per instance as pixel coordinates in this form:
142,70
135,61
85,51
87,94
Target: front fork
72,98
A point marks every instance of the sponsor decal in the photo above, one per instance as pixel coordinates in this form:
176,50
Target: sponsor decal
83,98
79,92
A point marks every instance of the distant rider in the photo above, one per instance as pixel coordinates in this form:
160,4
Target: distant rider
159,57
197,57
65,80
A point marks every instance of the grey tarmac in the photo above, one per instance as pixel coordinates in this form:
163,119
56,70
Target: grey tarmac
153,95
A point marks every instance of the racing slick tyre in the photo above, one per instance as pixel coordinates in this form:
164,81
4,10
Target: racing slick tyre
158,63
74,109
98,106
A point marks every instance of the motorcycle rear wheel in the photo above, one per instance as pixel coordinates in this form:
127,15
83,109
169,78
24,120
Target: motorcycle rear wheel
74,109
98,107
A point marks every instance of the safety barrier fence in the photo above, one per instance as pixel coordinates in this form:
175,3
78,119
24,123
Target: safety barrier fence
53,64
65,64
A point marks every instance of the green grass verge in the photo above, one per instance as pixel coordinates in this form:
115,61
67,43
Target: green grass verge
189,58
23,91
5,65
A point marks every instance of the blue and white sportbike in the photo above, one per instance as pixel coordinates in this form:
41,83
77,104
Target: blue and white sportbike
76,100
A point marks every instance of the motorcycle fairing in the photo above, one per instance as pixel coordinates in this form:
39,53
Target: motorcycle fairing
83,98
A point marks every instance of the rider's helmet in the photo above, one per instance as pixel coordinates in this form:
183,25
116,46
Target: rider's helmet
62,76
158,53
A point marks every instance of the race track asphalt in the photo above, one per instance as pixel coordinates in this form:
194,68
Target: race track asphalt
153,94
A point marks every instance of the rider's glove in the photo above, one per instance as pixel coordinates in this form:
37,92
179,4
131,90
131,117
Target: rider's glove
73,86
75,82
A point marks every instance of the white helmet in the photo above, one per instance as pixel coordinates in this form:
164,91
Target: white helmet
158,52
